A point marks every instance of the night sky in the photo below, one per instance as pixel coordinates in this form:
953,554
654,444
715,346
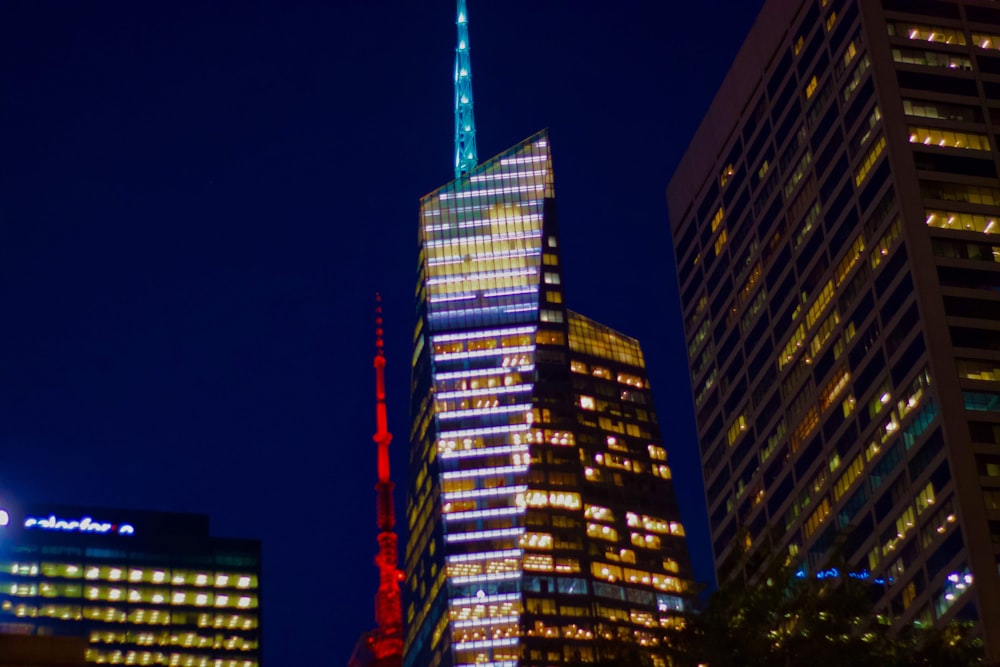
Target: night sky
198,201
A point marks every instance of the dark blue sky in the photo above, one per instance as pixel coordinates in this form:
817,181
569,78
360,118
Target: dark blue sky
198,201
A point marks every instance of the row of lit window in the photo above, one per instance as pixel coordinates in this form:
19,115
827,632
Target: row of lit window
138,616
164,638
932,136
134,575
104,657
153,595
605,374
590,338
612,573
973,222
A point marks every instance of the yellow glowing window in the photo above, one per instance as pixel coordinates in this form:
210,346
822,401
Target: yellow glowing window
601,372
925,498
727,173
602,532
631,380
588,403
788,353
831,20
846,480
717,220
850,259
928,33
986,41
816,519
567,565
811,87
822,300
873,154
538,562
720,242
932,136
553,297
736,429
606,571
598,513
824,332
841,378
578,366
804,428
973,222
852,50
657,453
799,43
536,540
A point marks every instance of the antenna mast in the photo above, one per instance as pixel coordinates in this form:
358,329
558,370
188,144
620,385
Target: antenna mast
387,639
466,156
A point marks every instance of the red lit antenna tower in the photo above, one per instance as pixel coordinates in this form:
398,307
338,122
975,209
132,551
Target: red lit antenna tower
386,641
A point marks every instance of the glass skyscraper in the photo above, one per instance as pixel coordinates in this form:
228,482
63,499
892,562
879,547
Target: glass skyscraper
543,526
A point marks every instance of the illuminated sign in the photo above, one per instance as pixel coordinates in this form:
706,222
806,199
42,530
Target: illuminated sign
84,525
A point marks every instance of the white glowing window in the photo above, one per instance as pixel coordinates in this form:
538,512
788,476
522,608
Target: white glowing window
587,403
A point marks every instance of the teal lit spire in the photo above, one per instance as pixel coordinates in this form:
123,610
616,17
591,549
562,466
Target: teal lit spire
465,123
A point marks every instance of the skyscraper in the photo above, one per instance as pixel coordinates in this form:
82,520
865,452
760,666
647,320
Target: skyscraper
541,513
834,221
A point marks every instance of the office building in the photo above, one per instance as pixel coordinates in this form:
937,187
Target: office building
835,221
542,522
143,588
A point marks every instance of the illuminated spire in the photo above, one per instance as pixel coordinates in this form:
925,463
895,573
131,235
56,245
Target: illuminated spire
466,156
387,640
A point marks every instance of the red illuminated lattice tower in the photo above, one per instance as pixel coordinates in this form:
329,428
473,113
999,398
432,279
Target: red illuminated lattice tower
386,641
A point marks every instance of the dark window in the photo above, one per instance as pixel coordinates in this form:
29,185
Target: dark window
899,296
860,104
875,182
982,339
891,268
970,278
944,554
807,457
908,360
866,377
845,24
907,323
953,84
925,455
952,164
779,494
963,307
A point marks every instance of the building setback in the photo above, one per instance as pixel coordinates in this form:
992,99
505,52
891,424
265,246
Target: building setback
143,588
835,222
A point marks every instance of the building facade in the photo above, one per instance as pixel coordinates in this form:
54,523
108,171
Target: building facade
834,222
543,527
144,588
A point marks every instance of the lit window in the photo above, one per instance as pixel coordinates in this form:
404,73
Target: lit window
811,87
587,403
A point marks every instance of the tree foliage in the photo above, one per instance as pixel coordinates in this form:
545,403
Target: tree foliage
795,621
